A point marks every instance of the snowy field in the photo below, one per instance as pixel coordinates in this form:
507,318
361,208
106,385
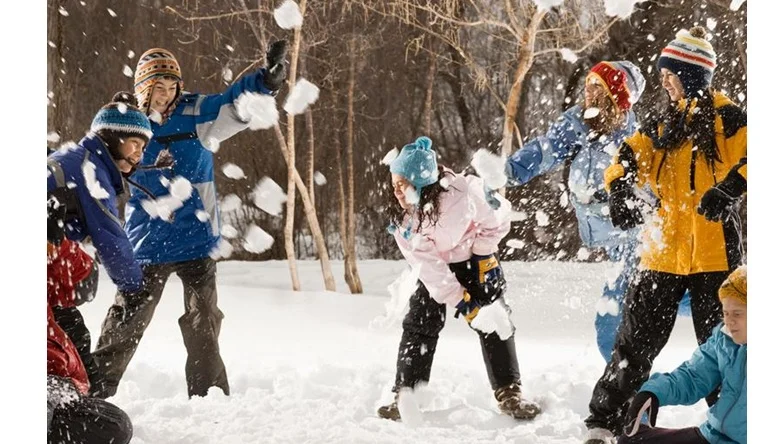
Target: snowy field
313,366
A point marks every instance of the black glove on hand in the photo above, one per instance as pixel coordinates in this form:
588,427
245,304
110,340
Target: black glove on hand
717,202
55,220
623,206
643,402
276,72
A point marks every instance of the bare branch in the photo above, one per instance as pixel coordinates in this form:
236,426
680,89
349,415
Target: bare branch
589,43
209,17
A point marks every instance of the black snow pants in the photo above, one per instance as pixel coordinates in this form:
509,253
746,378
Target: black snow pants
651,302
129,317
75,419
425,320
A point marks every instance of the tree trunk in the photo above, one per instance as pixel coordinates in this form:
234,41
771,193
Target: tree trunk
312,218
351,269
291,160
526,50
310,155
340,186
427,127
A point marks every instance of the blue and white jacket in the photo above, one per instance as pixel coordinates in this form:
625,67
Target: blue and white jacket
567,138
192,230
719,361
89,171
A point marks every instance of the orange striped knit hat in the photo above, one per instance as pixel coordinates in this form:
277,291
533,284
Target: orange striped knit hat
692,58
155,63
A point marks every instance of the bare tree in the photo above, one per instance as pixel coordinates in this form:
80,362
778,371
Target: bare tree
351,268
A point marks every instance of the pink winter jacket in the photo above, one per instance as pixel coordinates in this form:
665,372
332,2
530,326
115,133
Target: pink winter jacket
467,226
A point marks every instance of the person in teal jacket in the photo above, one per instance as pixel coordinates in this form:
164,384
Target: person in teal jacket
722,360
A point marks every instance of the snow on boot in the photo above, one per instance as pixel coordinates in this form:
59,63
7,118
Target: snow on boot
390,411
511,403
600,436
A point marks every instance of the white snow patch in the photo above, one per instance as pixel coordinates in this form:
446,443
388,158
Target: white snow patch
229,203
621,8
256,240
568,55
202,215
228,75
223,249
590,113
259,110
516,243
390,157
131,54
411,195
155,116
494,318
93,186
548,4
396,307
63,12
288,15
228,231
490,167
541,218
233,171
518,216
736,4
53,137
229,48
606,305
304,94
269,197
711,23
111,12
127,71
319,178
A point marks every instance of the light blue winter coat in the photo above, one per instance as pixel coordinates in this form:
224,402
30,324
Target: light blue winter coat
718,361
568,137
193,230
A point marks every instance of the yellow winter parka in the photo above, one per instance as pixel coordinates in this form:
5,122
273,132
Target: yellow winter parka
678,240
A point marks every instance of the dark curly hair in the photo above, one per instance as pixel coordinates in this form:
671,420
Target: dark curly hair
428,207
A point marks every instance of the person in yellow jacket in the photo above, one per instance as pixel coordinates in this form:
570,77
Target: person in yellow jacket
693,157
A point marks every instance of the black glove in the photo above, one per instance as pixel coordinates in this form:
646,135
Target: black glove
486,286
624,206
717,203
55,220
643,402
275,70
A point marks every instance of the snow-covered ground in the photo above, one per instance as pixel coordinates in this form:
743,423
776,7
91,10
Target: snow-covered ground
313,366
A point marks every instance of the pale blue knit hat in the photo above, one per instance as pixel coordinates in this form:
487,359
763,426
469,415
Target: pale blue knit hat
417,163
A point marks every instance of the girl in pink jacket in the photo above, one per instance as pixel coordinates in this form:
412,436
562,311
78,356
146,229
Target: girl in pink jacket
443,223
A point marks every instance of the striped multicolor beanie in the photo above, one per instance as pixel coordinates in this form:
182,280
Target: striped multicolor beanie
153,64
691,57
122,118
622,79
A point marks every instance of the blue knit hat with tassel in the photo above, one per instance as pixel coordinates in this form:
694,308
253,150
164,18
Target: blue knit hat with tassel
417,163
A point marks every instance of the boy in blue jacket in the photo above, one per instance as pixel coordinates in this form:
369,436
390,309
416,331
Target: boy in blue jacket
722,360
182,238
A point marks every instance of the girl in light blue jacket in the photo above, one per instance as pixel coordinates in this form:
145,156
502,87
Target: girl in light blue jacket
721,361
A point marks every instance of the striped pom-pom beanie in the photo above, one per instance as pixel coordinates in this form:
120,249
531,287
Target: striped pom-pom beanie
122,118
692,58
153,64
